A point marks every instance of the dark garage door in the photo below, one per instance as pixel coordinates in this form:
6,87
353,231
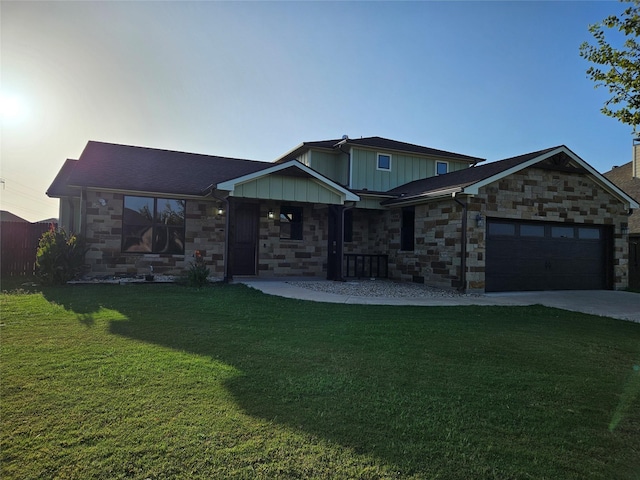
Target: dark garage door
545,256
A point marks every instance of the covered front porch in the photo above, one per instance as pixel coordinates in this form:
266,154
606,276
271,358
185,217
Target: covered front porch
286,221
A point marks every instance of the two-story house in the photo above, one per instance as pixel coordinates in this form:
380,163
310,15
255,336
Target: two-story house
351,207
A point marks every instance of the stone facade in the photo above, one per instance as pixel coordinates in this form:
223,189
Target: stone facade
102,228
532,194
284,257
548,196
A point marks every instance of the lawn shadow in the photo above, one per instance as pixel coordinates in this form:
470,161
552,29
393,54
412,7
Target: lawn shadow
311,367
337,372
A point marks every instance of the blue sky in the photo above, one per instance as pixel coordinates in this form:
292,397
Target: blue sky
255,79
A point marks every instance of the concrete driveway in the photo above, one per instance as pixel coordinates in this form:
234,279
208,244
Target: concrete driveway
607,303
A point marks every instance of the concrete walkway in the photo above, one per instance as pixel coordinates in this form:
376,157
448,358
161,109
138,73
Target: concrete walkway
607,303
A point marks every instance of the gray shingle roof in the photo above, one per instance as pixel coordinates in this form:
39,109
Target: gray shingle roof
460,178
59,187
382,144
123,167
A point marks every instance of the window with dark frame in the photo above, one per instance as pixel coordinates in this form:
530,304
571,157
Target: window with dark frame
348,226
442,168
384,162
407,229
291,222
153,225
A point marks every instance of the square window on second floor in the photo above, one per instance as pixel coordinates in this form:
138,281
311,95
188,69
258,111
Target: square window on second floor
384,162
442,168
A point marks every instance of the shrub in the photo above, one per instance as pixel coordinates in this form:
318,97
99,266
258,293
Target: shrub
60,256
198,271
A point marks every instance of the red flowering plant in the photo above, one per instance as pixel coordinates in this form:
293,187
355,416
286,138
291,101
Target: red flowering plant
198,271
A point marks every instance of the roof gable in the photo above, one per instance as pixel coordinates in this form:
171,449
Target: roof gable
290,168
470,180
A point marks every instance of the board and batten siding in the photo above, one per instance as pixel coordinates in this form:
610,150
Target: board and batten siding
404,169
333,166
293,189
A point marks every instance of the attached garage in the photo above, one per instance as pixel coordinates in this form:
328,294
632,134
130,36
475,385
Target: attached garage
547,256
540,221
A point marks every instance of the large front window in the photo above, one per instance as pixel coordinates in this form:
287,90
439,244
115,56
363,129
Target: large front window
153,225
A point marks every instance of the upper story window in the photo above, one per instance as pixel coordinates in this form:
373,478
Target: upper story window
384,162
291,222
442,168
153,225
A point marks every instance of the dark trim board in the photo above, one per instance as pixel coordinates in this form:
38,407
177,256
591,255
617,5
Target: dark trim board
531,255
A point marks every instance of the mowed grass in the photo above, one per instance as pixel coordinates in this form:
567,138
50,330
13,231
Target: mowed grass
168,382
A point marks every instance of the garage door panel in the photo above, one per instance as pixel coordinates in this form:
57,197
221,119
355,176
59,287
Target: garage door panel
544,256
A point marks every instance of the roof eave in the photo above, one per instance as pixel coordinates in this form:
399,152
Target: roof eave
423,197
145,193
297,151
450,156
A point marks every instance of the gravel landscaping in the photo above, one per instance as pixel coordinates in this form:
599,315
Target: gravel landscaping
378,288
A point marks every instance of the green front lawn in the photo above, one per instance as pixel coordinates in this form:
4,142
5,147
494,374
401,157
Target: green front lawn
167,382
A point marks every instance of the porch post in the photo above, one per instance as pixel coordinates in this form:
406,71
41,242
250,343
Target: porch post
335,242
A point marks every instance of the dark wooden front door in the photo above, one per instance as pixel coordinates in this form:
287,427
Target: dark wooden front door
245,240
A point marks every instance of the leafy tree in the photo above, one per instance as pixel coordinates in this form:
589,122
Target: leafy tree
618,69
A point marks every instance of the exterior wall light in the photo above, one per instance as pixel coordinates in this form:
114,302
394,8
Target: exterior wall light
479,221
220,211
270,215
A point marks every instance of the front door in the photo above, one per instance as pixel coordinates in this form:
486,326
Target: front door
245,240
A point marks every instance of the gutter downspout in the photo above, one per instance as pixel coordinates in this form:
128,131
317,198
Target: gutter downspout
348,154
340,259
463,246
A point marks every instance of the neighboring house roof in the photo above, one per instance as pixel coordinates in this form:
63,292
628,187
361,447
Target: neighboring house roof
377,143
623,177
470,180
11,217
141,169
